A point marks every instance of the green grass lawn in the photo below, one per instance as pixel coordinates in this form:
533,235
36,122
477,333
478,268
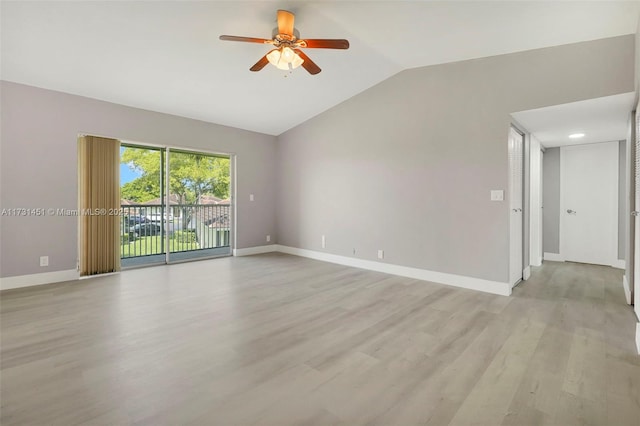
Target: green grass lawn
154,244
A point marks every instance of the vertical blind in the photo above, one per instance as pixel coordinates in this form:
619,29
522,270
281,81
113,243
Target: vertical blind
99,202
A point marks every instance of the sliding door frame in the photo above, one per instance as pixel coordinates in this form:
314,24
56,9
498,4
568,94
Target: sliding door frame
232,198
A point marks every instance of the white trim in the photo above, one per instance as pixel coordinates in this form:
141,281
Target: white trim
233,231
554,257
526,273
535,202
620,264
494,287
638,337
255,250
627,290
20,281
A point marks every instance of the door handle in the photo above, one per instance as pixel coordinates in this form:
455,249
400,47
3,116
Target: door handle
517,210
635,213
571,211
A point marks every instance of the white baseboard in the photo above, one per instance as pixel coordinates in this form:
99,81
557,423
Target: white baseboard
20,281
619,264
638,337
494,287
554,257
255,250
526,273
627,289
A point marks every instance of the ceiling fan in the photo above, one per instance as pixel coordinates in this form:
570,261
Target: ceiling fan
287,54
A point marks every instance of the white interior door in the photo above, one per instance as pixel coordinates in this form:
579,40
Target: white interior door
589,203
636,252
535,203
516,152
541,227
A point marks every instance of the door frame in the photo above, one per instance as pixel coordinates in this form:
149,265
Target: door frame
534,206
541,230
525,205
632,289
613,249
232,216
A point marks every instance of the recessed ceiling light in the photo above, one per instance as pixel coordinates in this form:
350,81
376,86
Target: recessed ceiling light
576,135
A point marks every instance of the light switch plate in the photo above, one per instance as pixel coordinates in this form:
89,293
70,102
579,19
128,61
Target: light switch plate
497,195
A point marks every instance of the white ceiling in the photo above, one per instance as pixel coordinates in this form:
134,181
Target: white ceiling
601,120
166,56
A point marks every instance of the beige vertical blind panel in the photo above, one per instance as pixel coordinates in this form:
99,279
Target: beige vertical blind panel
99,186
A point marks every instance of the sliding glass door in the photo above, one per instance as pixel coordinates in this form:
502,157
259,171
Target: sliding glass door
176,205
142,193
201,205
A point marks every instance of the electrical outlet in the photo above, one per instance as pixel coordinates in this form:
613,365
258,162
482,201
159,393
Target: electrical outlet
324,242
268,238
251,197
380,254
44,260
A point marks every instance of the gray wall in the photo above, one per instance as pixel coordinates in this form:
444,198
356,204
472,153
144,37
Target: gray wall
407,166
622,199
39,169
551,201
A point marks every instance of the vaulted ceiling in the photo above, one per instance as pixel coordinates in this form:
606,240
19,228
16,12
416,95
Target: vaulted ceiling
166,56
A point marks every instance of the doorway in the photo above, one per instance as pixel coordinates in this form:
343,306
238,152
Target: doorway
589,203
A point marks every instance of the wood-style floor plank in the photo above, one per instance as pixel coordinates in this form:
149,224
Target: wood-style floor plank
277,340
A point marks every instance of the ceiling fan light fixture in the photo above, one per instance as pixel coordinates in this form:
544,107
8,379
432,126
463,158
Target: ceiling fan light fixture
284,58
296,61
287,54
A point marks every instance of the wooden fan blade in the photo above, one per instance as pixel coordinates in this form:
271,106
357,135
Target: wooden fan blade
308,64
246,39
260,64
325,43
285,22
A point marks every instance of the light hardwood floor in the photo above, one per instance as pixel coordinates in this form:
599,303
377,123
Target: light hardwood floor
277,339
